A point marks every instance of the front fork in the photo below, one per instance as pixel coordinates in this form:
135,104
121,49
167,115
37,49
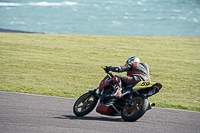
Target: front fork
93,92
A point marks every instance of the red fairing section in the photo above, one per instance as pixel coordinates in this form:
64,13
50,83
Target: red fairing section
103,84
103,109
115,79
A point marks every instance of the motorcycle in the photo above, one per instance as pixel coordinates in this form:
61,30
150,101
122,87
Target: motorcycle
132,104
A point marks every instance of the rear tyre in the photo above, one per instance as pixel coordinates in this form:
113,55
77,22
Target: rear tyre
80,108
136,110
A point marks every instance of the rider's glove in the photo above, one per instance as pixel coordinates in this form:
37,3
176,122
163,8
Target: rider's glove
107,68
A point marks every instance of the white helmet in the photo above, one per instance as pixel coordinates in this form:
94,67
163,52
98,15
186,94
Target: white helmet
133,59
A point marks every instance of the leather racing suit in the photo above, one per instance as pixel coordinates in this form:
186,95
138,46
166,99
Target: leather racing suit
136,72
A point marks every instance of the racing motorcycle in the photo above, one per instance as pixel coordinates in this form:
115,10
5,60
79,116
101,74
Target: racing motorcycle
132,104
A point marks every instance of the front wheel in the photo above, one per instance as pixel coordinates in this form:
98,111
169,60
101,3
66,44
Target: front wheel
80,108
136,110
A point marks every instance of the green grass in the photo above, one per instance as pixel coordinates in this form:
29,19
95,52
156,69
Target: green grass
70,65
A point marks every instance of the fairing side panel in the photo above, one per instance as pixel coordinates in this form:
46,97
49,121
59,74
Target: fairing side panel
143,84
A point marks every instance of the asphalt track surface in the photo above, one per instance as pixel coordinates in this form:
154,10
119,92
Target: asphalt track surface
25,113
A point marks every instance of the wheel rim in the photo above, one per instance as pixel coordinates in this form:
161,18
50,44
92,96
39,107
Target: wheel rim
136,105
80,106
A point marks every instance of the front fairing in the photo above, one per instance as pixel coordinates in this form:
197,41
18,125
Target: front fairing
103,84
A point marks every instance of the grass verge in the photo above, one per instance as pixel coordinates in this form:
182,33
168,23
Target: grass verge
70,65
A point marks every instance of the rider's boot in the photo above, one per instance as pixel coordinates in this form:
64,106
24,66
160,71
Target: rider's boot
118,93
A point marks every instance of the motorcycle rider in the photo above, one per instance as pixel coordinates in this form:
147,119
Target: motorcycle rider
136,72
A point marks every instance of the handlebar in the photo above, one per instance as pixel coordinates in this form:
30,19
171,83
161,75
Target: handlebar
109,73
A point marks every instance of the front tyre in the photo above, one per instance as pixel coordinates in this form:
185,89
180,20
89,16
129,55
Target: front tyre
136,110
80,108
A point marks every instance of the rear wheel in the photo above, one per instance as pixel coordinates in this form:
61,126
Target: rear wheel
136,110
80,108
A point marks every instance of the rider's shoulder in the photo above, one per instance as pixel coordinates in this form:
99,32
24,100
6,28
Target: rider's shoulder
143,64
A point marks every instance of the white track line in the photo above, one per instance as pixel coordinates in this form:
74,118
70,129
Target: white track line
34,95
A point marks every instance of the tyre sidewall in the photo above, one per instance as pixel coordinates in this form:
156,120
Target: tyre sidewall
87,111
138,114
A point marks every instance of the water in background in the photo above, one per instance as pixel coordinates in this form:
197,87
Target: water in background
103,17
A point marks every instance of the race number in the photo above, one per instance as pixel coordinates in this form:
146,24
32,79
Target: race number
145,83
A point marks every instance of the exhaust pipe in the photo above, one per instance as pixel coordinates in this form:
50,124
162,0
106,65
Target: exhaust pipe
151,105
